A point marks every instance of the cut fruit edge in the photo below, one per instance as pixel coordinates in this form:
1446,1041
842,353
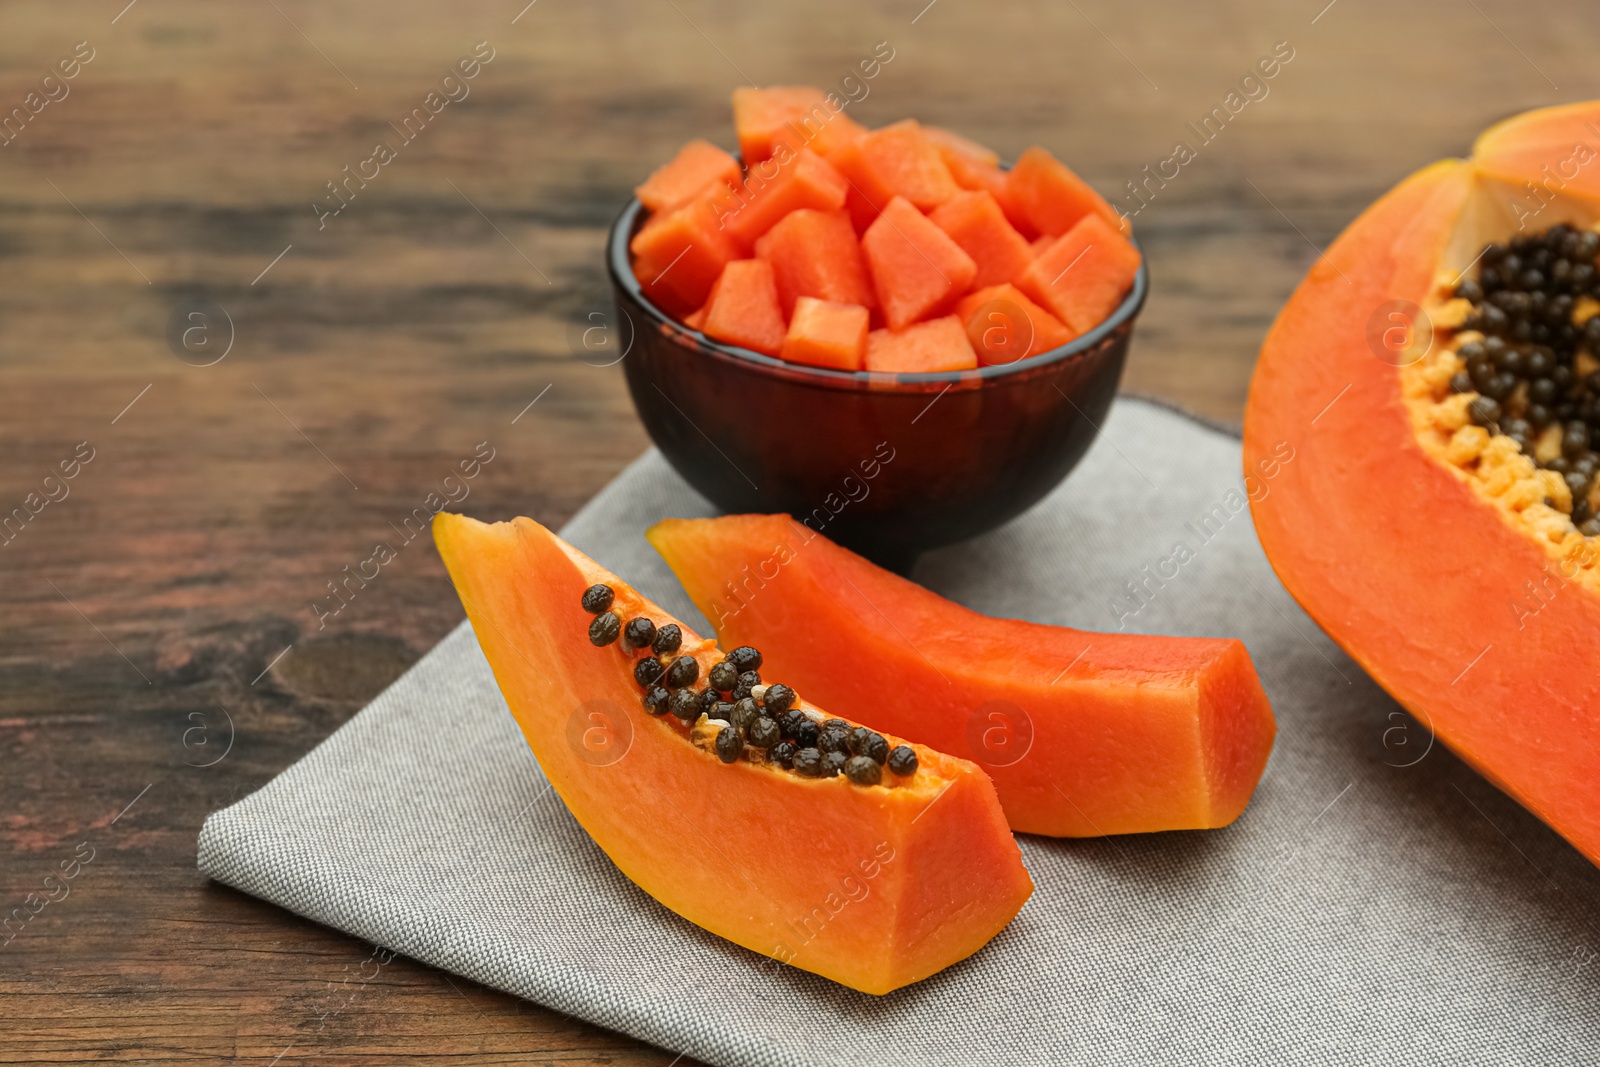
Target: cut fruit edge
1403,557
891,885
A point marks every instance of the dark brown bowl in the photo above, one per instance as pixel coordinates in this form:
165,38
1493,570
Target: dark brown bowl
887,464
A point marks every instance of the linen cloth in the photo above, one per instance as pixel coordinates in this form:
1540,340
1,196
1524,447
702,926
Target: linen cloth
1378,903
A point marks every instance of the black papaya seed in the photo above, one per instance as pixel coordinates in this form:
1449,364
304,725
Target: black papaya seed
668,640
862,771
903,760
639,633
684,671
604,629
730,746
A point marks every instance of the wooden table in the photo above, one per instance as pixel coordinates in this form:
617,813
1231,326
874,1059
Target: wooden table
169,595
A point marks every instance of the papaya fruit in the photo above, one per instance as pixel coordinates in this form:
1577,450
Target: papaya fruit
876,877
1084,734
1420,428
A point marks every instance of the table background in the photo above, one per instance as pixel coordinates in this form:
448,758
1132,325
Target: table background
159,617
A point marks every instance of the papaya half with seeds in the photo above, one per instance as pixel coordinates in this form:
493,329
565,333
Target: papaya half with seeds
1084,734
874,886
1438,376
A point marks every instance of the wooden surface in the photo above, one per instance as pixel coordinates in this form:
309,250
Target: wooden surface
159,597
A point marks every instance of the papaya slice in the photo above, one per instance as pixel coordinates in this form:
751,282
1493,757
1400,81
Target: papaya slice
874,886
815,254
974,221
743,308
923,347
825,334
1084,734
897,160
1421,423
916,268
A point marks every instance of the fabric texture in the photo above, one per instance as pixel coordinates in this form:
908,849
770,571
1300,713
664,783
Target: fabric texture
1378,903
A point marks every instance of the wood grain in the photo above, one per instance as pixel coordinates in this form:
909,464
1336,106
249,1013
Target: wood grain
382,347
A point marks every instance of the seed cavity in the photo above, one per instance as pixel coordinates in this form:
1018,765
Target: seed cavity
733,713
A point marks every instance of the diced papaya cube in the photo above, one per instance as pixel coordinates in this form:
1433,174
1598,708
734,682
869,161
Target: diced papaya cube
951,143
1082,277
786,182
974,221
798,115
898,160
916,268
826,334
924,347
815,254
743,309
697,165
1005,326
679,253
697,319
1052,196
1041,243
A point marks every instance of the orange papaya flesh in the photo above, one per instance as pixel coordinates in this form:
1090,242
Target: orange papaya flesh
976,168
1084,734
1433,550
797,116
815,254
943,873
679,254
897,160
1084,275
974,221
743,308
921,348
1005,326
825,334
697,165
1053,197
917,270
773,188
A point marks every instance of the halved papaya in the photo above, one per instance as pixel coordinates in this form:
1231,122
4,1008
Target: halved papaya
872,885
1084,734
1433,385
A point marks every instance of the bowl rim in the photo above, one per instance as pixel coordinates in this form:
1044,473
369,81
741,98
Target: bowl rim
620,268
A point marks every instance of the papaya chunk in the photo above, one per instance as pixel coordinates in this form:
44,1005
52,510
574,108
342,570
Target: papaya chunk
826,334
789,181
945,874
935,345
743,309
815,253
916,268
680,253
1005,326
697,165
1084,734
1053,197
797,116
1084,275
975,222
898,160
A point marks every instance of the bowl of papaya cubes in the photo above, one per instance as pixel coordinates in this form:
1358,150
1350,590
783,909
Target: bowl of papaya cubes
884,332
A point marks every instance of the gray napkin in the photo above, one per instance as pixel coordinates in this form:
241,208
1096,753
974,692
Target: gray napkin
1377,903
